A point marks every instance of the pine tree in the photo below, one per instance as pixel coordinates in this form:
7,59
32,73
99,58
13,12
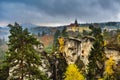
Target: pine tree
39,34
4,71
55,44
21,57
97,55
43,33
64,33
61,67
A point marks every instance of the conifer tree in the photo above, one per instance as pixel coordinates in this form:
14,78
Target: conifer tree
97,55
4,71
21,57
55,44
64,32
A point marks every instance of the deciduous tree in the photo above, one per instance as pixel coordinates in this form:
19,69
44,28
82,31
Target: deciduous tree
73,73
109,69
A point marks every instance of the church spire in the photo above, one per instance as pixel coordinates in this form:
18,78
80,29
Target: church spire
76,22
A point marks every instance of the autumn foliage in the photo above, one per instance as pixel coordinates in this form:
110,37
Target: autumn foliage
73,73
61,43
109,69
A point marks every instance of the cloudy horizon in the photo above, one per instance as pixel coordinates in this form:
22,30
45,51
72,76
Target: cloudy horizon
58,12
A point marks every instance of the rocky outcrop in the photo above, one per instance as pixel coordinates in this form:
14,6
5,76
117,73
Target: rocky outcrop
75,48
86,45
72,49
113,51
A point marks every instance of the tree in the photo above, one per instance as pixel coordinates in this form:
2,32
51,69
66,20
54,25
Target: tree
43,33
61,67
21,56
96,56
109,69
61,44
117,71
2,41
85,32
55,44
39,34
118,39
4,71
73,73
64,33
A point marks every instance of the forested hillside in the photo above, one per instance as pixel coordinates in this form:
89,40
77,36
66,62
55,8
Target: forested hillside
63,53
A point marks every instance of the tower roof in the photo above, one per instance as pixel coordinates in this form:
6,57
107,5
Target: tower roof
76,22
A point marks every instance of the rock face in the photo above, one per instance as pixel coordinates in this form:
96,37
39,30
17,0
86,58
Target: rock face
115,54
39,48
75,48
72,49
86,45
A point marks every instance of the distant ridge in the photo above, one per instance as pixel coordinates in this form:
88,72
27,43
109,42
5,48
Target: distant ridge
35,29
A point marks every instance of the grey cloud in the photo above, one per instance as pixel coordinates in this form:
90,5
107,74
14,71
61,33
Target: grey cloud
60,10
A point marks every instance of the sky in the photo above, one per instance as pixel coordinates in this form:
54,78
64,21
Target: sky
58,12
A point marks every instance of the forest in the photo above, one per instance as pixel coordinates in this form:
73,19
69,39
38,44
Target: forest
72,55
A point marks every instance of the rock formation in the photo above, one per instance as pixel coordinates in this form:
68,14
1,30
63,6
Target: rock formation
75,48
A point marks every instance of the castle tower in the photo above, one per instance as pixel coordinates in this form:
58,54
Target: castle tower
76,23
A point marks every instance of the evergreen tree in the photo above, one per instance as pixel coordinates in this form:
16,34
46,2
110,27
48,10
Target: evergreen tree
61,67
21,57
64,33
43,33
2,41
97,55
4,71
55,44
39,34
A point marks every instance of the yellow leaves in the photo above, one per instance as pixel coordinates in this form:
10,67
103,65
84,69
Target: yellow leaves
118,39
73,73
105,42
109,66
100,79
61,42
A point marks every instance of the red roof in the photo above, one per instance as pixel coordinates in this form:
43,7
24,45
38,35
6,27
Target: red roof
71,25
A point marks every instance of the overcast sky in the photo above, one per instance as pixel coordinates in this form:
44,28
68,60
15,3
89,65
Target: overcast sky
57,12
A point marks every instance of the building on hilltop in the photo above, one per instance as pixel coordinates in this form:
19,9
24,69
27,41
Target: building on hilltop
74,29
